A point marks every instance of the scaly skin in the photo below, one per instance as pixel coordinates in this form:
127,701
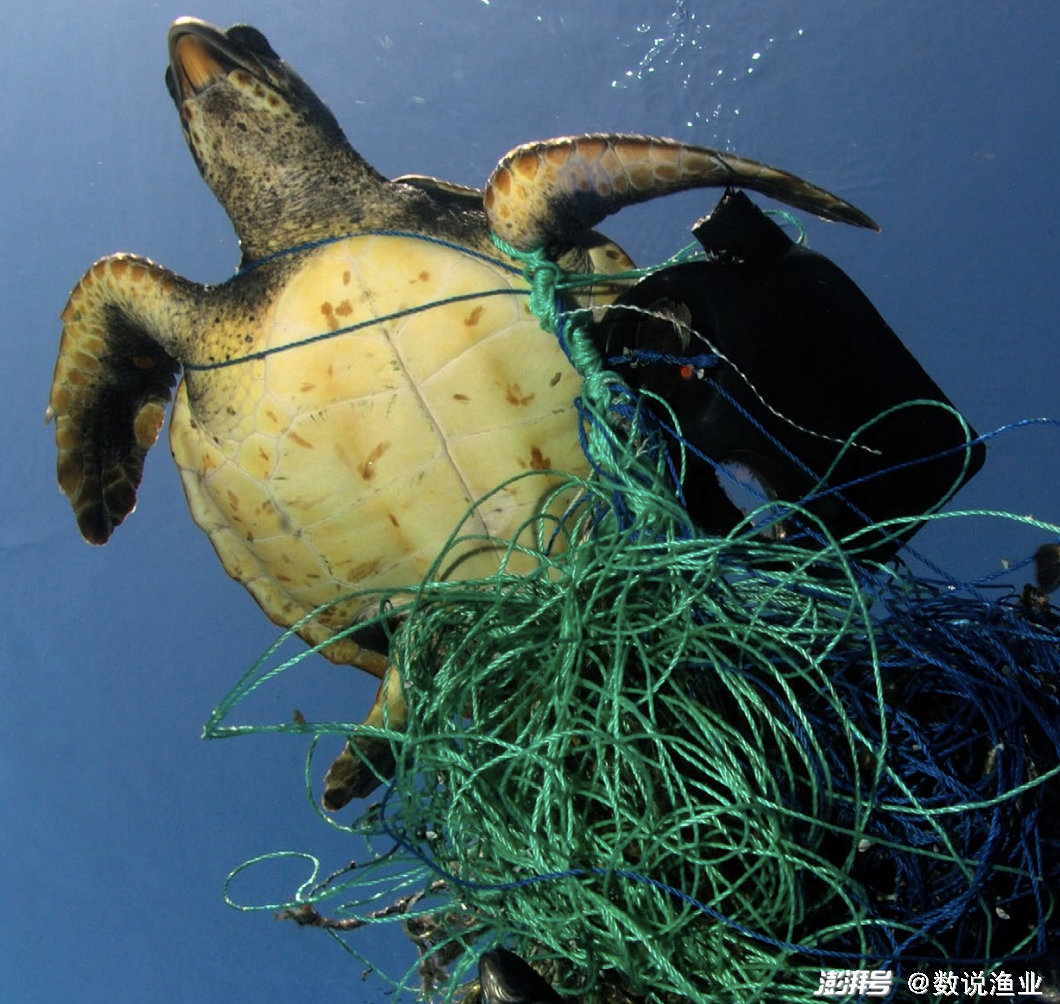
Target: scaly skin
550,192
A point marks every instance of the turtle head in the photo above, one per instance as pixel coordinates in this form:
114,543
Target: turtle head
267,146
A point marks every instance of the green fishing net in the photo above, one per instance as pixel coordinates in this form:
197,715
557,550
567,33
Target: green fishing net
673,767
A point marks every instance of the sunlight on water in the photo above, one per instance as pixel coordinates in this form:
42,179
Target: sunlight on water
697,57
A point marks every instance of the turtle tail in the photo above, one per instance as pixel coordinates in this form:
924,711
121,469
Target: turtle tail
112,383
550,193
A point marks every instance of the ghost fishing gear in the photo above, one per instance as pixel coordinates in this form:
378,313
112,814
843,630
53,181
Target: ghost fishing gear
716,748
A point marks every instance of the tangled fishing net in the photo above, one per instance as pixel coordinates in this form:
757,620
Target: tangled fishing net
677,767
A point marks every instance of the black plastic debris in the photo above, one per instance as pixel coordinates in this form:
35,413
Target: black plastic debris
772,359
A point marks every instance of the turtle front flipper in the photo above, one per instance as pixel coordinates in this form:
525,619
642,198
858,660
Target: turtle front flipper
113,380
356,772
547,194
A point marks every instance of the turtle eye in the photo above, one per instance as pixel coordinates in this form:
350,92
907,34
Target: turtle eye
251,39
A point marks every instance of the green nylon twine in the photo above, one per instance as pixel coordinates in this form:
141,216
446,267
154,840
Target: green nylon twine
697,768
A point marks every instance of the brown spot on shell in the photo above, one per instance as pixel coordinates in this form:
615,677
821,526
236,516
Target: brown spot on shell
393,519
346,277
361,571
367,468
515,395
555,379
344,309
300,441
344,456
462,398
474,317
538,461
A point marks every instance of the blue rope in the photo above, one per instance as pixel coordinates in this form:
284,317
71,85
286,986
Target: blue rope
371,322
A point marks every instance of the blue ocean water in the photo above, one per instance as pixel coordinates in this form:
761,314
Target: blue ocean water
119,823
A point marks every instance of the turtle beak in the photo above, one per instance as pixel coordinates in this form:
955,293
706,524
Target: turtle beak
197,58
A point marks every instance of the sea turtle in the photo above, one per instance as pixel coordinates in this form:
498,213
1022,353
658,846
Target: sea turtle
372,369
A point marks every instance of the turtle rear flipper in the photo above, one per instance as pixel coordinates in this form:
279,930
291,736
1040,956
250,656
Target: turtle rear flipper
357,771
113,380
366,759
